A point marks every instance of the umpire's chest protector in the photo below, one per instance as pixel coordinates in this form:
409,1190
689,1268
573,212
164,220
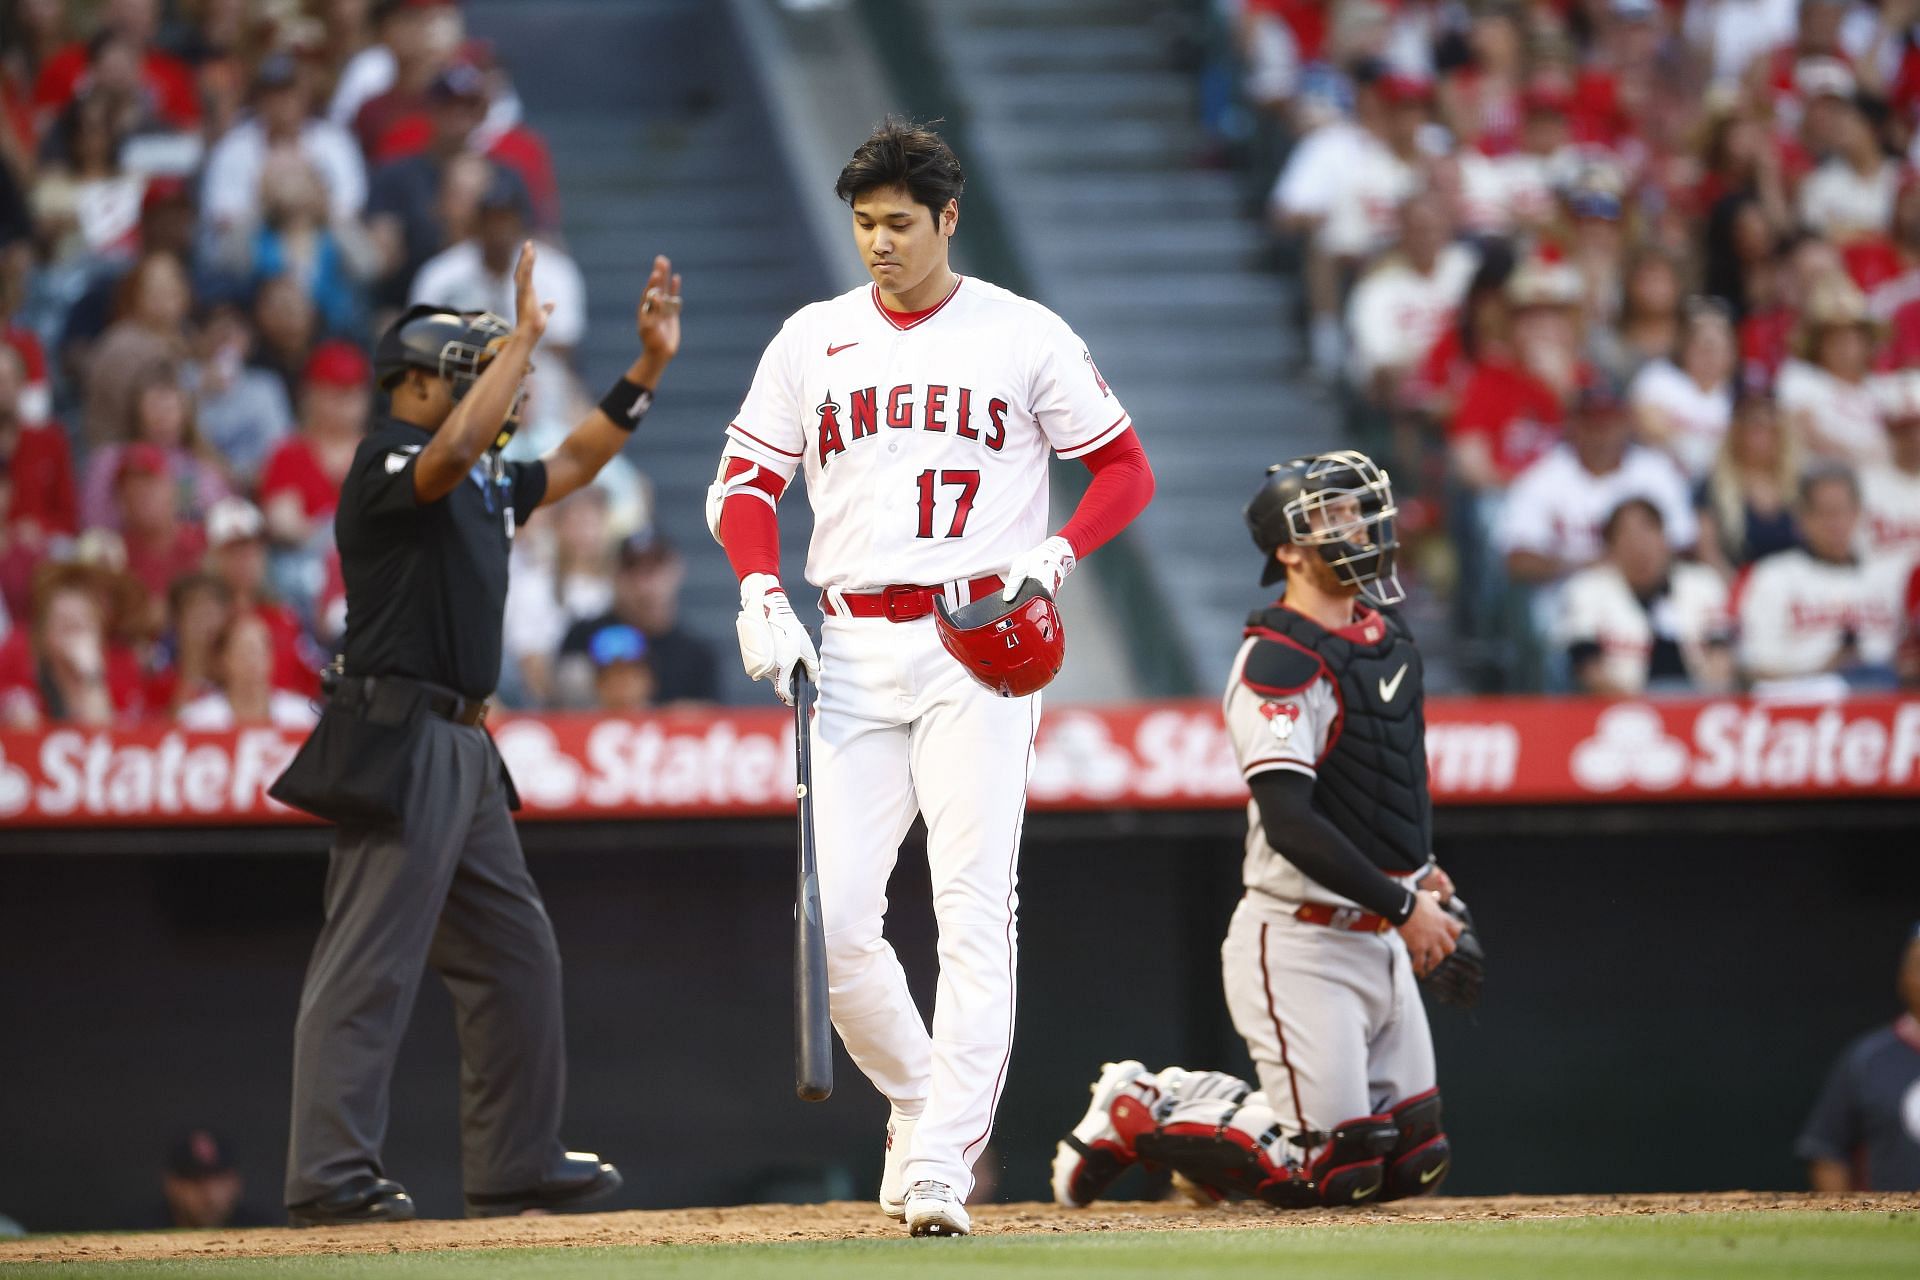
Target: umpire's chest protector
1373,775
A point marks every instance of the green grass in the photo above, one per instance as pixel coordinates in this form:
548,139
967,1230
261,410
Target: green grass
1858,1246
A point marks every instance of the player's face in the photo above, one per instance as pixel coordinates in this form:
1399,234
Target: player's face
901,242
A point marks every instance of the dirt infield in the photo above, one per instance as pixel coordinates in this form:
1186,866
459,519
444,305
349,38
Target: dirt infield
774,1224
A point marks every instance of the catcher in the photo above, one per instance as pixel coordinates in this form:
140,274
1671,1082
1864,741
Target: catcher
1344,907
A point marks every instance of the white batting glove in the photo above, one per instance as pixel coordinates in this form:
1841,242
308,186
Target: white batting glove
772,640
1048,564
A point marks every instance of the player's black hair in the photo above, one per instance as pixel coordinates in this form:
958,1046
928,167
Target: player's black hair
904,153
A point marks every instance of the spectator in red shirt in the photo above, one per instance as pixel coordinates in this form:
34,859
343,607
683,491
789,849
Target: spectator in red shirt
160,545
418,42
166,80
503,136
237,556
300,486
1510,408
62,669
38,461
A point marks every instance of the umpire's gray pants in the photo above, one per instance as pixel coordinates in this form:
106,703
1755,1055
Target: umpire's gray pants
449,888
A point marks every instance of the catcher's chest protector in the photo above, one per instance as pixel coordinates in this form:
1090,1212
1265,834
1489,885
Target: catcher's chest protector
1373,780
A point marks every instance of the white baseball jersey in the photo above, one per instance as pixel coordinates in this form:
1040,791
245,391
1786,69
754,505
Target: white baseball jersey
1556,506
924,443
1598,607
1890,510
1793,610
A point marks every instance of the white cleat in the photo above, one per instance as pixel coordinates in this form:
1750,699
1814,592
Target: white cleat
893,1177
934,1210
1088,1160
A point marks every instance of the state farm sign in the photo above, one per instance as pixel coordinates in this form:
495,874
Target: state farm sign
1164,755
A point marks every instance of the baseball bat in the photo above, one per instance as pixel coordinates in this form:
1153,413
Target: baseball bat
812,1030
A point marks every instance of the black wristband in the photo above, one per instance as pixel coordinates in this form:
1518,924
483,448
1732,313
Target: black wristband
627,403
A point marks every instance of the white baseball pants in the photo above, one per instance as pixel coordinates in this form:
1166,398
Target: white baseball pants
900,728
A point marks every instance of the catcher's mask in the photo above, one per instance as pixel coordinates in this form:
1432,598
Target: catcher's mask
1012,647
453,345
1341,505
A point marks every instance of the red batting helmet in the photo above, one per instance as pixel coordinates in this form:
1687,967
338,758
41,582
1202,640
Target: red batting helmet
1013,648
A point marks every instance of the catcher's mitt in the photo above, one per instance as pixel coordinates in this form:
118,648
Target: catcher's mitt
1457,979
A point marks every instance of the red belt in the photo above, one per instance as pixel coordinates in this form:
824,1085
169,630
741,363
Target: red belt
901,604
1352,919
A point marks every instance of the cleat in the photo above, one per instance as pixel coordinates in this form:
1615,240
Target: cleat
1100,1148
934,1210
893,1176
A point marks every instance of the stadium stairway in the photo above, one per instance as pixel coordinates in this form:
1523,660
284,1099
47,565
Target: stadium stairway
1083,124
661,145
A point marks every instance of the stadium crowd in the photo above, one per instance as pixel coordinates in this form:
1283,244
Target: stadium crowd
206,209
1629,293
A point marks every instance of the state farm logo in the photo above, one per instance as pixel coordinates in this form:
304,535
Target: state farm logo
1630,744
1752,747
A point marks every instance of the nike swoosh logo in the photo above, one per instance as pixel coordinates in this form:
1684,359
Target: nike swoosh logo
834,351
1432,1173
1365,1191
1390,687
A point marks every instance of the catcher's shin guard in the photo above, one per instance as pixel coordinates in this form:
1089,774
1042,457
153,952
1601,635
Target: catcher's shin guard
1421,1156
1351,1167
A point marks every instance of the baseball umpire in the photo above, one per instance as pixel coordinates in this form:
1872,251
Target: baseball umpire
1344,907
426,866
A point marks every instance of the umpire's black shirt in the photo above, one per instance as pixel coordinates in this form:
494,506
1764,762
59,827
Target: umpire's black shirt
427,581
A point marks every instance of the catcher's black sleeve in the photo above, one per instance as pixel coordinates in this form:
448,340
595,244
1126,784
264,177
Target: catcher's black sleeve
1301,835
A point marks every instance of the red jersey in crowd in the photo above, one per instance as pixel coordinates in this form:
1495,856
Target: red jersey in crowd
1517,414
20,678
295,468
155,568
41,471
168,79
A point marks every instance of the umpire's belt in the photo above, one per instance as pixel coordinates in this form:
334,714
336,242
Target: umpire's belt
393,699
1352,919
900,604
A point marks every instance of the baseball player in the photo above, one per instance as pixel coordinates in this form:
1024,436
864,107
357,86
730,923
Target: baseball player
922,409
1344,906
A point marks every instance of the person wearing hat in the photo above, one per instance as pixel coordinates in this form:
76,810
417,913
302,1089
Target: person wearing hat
426,868
1864,1131
646,597
160,545
237,558
476,274
622,674
1826,389
203,1186
281,120
404,213
1551,523
300,485
1340,189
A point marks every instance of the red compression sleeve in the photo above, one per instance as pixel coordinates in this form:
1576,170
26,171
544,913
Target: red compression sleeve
1122,486
749,526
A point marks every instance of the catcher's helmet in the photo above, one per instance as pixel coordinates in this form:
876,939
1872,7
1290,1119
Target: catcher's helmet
1341,504
453,345
1012,647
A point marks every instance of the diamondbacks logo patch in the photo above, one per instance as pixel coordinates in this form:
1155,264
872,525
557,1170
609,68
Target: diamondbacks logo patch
1281,718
